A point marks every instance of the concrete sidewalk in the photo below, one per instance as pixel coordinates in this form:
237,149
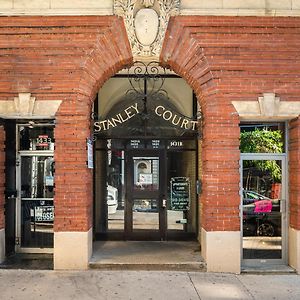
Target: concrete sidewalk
139,285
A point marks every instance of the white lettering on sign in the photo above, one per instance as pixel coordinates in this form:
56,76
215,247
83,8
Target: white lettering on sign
176,144
174,118
43,141
120,118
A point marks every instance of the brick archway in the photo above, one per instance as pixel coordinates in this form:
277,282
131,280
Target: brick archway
66,59
185,52
236,59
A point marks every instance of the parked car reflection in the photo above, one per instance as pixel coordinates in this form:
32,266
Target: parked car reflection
261,215
112,199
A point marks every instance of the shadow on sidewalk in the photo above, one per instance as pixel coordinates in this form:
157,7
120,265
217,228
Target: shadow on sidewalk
28,262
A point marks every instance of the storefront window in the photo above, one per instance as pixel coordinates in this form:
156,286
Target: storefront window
36,138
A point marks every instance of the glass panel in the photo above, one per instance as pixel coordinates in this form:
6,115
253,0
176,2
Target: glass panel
145,214
262,196
37,181
181,202
37,223
37,177
262,138
115,191
146,173
36,138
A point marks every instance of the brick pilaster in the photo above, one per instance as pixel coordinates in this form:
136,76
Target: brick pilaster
294,175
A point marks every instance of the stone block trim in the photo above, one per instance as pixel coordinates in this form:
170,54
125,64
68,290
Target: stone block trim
2,176
227,59
66,59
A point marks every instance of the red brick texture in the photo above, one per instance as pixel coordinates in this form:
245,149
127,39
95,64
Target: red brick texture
2,176
294,174
69,59
226,59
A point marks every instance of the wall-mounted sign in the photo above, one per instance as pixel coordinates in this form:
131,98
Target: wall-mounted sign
90,162
145,178
180,193
43,141
119,118
175,119
136,144
43,213
172,117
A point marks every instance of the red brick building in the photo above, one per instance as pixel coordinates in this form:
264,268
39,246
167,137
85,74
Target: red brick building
240,73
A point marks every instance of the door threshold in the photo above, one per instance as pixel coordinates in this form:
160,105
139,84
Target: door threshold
268,269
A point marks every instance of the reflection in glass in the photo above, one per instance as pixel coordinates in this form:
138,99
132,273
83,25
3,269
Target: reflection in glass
145,214
262,195
181,216
146,173
36,138
37,210
37,223
262,138
115,191
37,177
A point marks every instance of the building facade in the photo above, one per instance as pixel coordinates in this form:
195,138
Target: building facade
170,152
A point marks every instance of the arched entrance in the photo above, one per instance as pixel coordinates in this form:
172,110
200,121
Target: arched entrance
147,129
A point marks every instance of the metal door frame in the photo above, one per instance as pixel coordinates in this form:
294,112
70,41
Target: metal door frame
162,192
20,154
283,206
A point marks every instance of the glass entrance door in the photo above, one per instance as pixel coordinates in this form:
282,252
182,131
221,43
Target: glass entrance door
146,196
264,220
35,209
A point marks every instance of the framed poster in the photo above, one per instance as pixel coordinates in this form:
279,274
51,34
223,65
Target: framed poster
180,193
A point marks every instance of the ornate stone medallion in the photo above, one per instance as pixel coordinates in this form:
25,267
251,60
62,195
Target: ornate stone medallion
146,22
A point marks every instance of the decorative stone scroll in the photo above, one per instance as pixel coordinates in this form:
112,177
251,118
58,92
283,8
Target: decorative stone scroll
267,107
146,22
25,106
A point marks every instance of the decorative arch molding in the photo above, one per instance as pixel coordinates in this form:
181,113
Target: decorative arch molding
229,60
64,59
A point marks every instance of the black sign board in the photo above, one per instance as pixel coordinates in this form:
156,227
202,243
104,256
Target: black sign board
180,193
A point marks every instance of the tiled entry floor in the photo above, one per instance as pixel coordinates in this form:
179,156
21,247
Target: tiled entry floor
147,255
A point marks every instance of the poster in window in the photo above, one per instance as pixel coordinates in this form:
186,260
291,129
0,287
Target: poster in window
180,193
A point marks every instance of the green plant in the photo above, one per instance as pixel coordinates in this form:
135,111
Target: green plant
263,141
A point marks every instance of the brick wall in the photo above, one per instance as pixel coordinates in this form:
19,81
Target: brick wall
294,176
226,59
69,59
2,176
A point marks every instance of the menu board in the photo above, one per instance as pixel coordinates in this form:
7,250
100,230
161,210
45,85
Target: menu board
180,193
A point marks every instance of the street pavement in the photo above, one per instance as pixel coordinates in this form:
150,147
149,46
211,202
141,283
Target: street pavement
140,285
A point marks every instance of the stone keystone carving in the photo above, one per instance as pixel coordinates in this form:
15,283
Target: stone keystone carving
267,107
146,23
26,106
